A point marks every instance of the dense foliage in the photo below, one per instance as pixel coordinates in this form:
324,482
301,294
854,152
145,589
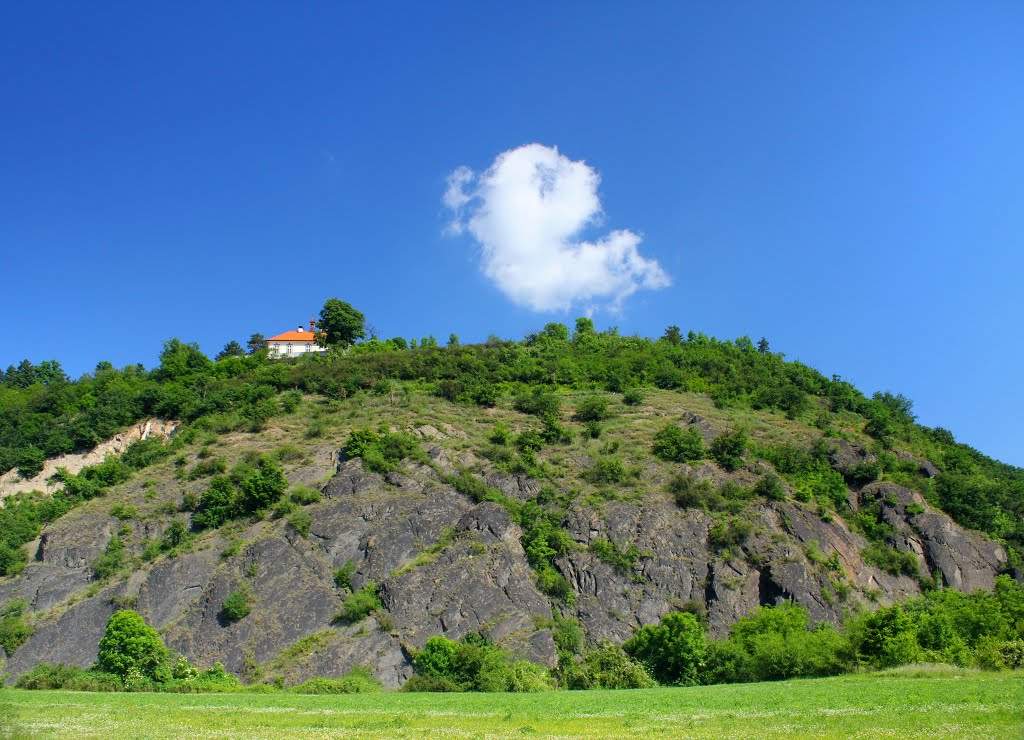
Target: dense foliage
43,413
473,664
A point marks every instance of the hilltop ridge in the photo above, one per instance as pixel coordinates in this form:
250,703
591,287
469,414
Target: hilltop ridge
507,488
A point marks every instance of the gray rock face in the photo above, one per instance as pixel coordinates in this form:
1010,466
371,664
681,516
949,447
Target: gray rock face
445,565
846,456
966,560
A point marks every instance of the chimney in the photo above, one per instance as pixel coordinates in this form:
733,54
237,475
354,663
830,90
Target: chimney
312,326
300,328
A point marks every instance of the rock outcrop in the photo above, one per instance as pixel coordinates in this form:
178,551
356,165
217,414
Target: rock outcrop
447,565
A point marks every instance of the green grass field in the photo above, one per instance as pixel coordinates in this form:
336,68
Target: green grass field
905,703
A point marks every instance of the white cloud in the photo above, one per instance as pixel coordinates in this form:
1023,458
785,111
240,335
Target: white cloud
527,211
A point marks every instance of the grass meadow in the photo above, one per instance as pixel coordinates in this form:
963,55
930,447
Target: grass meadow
909,702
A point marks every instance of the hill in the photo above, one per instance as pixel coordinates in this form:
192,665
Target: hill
314,515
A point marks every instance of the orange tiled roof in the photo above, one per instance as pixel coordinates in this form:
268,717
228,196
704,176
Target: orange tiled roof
294,336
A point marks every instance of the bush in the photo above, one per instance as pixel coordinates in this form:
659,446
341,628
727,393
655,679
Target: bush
775,643
673,444
622,560
770,487
729,533
129,644
538,402
358,604
343,575
300,521
594,408
381,452
54,676
632,397
249,489
473,664
111,561
890,559
607,667
607,470
236,606
14,629
359,680
673,650
728,449
304,495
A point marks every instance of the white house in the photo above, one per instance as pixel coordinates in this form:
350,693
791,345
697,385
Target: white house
294,342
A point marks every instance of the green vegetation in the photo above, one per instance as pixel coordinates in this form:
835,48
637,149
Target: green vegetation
728,449
111,561
473,664
357,681
381,451
675,444
358,604
130,647
250,488
43,413
14,629
237,605
919,702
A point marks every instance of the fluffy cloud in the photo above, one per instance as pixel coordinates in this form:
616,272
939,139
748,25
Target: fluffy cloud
527,211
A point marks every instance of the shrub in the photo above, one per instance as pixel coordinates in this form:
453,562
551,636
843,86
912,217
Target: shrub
144,452
594,408
607,667
304,495
728,449
206,468
774,643
729,533
52,676
673,650
358,604
14,628
770,487
622,560
674,444
124,512
343,575
249,489
501,434
632,397
538,402
129,644
288,453
236,606
381,452
607,470
359,680
473,664
290,401
300,521
890,559
111,561
693,493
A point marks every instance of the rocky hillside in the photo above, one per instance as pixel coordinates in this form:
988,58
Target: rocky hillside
497,520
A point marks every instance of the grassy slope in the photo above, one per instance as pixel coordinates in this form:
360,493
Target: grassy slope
934,703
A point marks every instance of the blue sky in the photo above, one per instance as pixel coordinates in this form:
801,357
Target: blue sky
844,179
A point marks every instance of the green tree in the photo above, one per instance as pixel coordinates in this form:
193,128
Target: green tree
673,650
129,643
231,349
340,325
256,342
762,346
728,449
674,444
673,335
